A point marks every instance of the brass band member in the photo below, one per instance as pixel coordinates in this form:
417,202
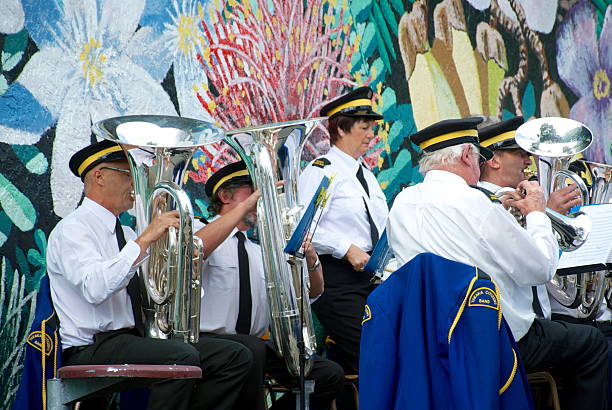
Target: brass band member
447,217
234,303
351,222
91,262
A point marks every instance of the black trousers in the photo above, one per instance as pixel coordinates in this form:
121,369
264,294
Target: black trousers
340,309
327,375
224,364
578,353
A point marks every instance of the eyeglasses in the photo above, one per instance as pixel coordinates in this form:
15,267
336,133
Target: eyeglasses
123,171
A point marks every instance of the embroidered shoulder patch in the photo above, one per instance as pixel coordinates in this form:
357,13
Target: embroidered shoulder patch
35,340
367,314
484,297
321,162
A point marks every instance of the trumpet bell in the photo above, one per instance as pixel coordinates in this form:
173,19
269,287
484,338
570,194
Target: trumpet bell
553,137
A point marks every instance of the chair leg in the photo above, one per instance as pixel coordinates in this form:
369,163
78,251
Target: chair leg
54,395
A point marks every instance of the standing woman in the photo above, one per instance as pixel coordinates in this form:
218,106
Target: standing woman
351,222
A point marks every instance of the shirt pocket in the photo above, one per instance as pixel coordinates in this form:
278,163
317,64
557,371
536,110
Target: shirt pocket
221,269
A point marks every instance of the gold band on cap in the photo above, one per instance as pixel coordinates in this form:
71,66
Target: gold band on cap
498,138
354,103
448,137
241,173
89,160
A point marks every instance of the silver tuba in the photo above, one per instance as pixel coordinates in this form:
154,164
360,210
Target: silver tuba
272,154
556,141
159,149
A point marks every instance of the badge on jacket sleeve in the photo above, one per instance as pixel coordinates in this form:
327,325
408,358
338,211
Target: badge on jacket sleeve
484,297
321,162
367,314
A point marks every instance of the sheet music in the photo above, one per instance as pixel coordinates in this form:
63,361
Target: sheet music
598,247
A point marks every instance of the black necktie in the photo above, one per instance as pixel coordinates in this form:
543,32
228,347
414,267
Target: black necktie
132,287
243,323
373,229
535,304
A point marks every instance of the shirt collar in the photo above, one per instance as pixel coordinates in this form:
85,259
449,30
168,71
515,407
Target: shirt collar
488,186
107,217
443,176
345,158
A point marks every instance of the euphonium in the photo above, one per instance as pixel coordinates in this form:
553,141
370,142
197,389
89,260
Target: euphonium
556,141
159,149
272,154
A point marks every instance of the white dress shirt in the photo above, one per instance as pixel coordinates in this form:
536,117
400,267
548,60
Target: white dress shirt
88,275
545,302
445,216
221,288
344,220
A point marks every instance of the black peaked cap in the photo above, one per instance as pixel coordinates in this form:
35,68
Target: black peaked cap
87,158
356,103
234,172
500,135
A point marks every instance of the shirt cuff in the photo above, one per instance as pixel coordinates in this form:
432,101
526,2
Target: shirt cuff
537,218
130,252
341,250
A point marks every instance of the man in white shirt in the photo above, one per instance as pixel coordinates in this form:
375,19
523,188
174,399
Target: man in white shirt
234,301
91,263
447,217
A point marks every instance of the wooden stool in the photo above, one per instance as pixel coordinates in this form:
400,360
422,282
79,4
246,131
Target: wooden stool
75,383
536,381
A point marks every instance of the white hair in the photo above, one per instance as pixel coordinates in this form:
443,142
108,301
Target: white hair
444,157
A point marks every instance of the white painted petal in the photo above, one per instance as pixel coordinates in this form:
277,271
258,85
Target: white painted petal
480,4
72,133
12,16
541,14
47,75
119,19
150,51
189,77
506,8
134,91
14,136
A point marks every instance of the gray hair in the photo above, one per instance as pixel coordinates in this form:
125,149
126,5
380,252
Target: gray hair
444,157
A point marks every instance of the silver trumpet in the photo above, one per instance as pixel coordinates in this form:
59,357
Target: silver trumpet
555,141
159,149
272,154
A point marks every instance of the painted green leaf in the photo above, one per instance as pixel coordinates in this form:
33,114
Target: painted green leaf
5,227
3,84
378,71
22,263
16,205
9,61
383,30
369,41
14,46
398,6
34,160
360,9
389,17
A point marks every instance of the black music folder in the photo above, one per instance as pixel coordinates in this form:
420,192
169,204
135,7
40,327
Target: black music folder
596,253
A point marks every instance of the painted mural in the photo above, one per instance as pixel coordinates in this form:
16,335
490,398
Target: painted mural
65,64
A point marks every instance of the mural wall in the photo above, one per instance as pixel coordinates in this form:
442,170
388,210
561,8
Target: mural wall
65,64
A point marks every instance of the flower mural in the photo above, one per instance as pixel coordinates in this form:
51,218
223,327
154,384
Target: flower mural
82,73
585,65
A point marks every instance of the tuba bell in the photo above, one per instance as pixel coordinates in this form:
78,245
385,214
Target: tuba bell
159,149
272,154
555,141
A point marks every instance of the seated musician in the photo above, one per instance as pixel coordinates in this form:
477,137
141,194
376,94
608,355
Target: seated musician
234,302
92,261
507,169
445,216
